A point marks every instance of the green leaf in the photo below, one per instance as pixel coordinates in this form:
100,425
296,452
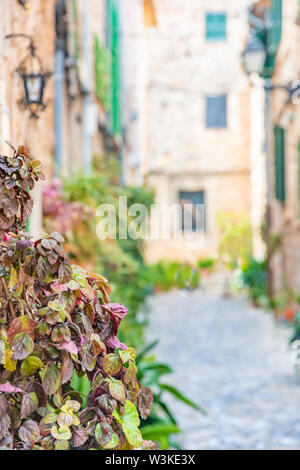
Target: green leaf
73,285
105,436
50,418
13,278
62,445
63,433
103,433
130,422
133,434
160,369
113,443
73,405
180,396
112,364
146,349
51,380
154,431
128,355
166,410
22,345
130,372
30,365
116,389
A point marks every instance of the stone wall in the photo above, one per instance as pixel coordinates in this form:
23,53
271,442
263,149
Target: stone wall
286,220
38,134
182,154
15,125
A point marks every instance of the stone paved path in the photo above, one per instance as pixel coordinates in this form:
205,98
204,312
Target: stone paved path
234,361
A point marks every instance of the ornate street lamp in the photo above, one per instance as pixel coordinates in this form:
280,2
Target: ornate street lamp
34,79
255,55
24,4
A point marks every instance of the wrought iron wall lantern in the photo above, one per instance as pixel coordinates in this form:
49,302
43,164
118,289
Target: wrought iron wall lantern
34,78
24,4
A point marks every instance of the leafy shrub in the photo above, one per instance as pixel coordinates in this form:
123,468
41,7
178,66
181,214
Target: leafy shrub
254,277
57,319
132,280
296,327
121,259
206,263
235,245
59,214
165,275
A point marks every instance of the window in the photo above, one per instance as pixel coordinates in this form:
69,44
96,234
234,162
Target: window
192,211
215,26
216,111
279,151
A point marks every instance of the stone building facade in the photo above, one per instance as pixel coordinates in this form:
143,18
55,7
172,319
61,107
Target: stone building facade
198,116
286,150
65,33
15,125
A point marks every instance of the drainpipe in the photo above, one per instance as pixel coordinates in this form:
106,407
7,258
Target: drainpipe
86,86
59,77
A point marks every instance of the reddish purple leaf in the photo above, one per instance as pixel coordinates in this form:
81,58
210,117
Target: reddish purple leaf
8,388
70,347
144,401
114,342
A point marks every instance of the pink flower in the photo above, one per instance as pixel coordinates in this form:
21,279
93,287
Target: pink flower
6,237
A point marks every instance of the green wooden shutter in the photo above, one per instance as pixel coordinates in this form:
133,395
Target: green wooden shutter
273,37
279,150
215,26
274,34
114,44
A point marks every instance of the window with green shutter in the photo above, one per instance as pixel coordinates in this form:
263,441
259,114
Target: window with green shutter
279,151
274,33
216,26
113,21
273,36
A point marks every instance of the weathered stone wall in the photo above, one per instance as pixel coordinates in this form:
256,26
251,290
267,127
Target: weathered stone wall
38,22
15,125
286,218
182,154
38,134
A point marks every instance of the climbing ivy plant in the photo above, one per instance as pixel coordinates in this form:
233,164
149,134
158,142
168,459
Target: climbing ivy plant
102,76
56,320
